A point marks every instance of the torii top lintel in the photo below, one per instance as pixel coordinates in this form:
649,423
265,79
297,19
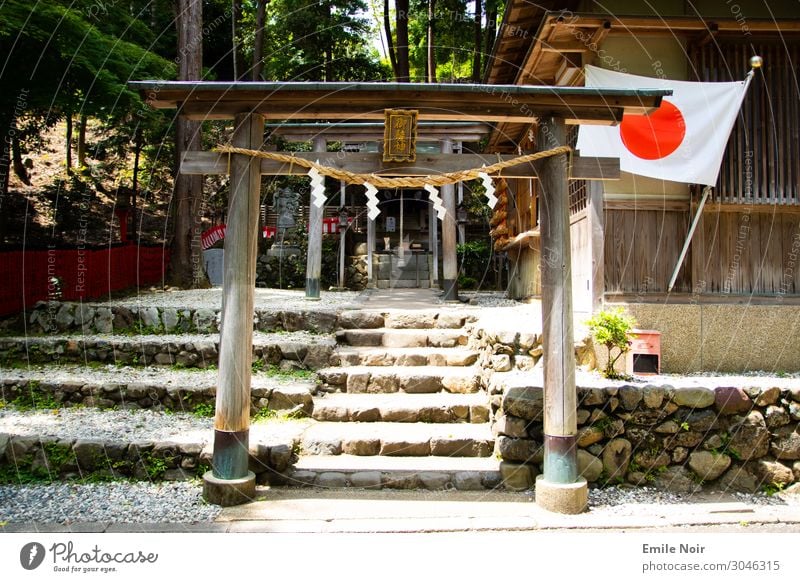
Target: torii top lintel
367,101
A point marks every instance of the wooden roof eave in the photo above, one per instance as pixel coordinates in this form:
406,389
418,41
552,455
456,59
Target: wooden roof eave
366,101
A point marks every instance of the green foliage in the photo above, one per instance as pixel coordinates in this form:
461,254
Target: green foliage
203,410
264,415
34,399
275,372
318,40
474,259
154,466
612,328
771,489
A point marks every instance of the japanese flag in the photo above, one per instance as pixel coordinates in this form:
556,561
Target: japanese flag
683,140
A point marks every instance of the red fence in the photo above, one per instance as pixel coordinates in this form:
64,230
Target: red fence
71,274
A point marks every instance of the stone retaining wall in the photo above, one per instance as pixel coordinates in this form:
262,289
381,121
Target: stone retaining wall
25,458
285,354
503,351
62,317
356,272
138,395
739,439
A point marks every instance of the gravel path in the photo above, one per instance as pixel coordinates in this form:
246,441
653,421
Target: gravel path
150,375
123,502
112,425
264,299
120,502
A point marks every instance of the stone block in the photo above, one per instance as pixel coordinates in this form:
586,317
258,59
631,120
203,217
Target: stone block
522,450
694,397
707,465
365,446
361,320
524,402
517,476
749,436
786,443
731,400
468,481
768,396
616,458
434,481
366,479
331,480
589,466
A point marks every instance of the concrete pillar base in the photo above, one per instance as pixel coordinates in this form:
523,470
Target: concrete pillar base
227,492
569,498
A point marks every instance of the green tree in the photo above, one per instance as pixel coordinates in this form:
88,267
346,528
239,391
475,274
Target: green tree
71,58
323,40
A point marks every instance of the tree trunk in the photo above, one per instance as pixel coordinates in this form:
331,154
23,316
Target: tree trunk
491,28
431,63
236,17
402,41
387,28
478,48
186,263
16,155
82,141
69,144
258,48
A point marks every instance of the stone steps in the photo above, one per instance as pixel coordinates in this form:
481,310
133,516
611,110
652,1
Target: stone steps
403,338
400,407
188,351
398,439
436,473
414,356
409,379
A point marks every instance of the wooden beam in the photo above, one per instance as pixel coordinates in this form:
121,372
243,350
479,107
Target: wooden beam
609,114
232,418
212,163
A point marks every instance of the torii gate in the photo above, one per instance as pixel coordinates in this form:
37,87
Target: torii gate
559,488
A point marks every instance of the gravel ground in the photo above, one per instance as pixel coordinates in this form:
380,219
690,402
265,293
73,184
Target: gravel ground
264,299
127,425
155,375
120,502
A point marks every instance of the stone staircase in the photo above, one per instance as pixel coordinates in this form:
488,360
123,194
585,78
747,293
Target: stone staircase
404,407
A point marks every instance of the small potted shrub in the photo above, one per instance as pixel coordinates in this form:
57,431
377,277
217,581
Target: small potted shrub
612,328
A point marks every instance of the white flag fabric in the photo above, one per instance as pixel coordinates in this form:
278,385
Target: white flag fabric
683,140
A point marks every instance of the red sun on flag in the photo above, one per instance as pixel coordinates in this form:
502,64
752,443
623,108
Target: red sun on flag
654,136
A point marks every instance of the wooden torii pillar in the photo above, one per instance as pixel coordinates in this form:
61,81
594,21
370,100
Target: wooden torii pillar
230,482
315,216
559,488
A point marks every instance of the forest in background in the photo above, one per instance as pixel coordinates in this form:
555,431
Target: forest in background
78,144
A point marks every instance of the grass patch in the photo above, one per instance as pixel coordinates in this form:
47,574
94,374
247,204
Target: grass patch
265,415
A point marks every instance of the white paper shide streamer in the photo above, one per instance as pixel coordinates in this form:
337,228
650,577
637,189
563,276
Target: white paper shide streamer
491,201
317,187
433,196
372,201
